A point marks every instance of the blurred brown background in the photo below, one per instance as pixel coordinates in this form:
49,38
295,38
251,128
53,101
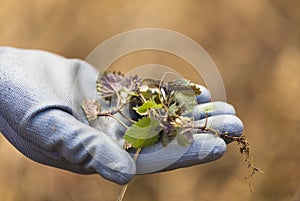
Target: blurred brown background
256,46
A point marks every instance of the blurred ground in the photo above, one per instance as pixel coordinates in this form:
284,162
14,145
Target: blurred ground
256,46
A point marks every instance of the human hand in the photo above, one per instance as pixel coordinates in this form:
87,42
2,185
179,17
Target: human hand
40,114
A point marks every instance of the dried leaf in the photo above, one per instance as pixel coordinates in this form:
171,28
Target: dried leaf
184,85
91,108
109,84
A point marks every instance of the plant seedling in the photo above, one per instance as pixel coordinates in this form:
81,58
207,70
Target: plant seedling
163,109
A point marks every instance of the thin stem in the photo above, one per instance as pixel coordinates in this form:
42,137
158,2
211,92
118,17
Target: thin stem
154,112
159,91
140,95
122,193
232,138
136,155
187,130
121,122
161,98
108,114
117,93
127,118
206,120
124,187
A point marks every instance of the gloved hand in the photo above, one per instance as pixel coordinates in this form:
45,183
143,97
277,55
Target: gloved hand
40,114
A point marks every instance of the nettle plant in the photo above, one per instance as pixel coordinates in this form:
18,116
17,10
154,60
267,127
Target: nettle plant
163,109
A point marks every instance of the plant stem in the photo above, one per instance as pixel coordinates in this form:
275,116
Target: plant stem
136,155
124,187
122,193
127,118
121,122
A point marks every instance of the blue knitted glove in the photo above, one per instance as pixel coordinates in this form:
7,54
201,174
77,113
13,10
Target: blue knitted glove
40,114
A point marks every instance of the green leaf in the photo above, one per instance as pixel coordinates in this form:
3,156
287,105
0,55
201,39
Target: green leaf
184,139
150,94
142,110
172,110
143,133
186,101
165,140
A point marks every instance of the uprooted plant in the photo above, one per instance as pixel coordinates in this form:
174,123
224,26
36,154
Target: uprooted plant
162,109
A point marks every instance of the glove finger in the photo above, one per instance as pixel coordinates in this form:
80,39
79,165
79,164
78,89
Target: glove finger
210,109
156,158
229,124
59,140
205,95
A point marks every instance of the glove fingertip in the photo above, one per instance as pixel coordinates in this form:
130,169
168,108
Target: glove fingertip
117,167
119,177
209,147
205,95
